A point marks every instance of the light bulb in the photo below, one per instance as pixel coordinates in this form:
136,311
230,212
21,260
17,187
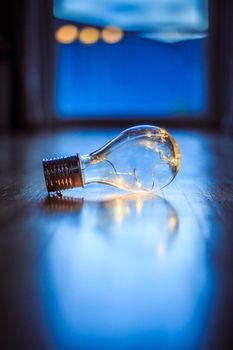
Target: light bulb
141,158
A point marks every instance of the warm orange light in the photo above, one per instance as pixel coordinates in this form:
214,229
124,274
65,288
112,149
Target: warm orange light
172,223
121,209
139,185
112,35
66,34
139,205
89,35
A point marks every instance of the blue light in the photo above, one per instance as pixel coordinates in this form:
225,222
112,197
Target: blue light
136,77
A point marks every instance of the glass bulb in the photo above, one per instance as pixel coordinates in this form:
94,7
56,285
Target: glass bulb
141,158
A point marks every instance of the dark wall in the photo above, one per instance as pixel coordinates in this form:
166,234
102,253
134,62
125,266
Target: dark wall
7,60
25,53
26,63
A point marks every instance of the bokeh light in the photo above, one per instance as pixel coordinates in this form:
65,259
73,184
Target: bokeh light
112,35
89,35
66,34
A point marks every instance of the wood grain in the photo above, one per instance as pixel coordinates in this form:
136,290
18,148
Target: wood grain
100,269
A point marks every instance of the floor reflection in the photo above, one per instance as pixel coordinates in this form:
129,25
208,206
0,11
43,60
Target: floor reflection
105,272
62,204
125,270
147,214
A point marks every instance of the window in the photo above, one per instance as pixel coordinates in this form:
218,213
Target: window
148,74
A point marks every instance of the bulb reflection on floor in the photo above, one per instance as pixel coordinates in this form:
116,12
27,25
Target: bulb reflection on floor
123,271
108,215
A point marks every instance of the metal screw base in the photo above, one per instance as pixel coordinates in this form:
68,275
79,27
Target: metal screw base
62,173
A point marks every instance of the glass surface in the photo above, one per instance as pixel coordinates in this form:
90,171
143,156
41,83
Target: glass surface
142,158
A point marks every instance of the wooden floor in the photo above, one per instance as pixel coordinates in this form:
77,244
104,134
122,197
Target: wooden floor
99,269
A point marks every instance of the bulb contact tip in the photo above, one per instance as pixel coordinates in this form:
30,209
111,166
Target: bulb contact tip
62,173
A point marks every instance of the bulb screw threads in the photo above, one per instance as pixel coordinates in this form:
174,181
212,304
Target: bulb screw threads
62,173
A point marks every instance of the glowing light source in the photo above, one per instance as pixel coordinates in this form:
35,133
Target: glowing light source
67,34
119,180
124,158
172,223
89,35
112,35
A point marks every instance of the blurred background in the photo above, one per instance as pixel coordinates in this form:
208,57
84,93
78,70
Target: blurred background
98,269
75,62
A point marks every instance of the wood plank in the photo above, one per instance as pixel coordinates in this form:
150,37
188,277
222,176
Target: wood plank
103,269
